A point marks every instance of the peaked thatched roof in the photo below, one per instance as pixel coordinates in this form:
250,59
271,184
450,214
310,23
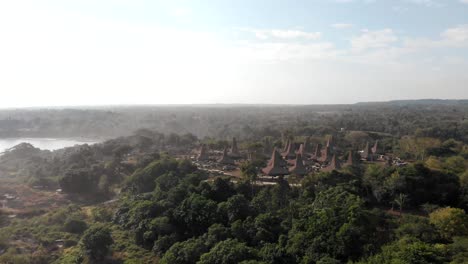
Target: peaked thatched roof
318,152
375,148
289,153
351,161
301,150
234,149
280,161
274,168
334,164
367,153
330,142
225,159
203,153
298,168
285,147
308,146
325,155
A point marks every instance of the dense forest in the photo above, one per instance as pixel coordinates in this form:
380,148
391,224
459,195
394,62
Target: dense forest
141,198
435,118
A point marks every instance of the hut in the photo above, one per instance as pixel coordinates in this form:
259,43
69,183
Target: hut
366,154
325,155
301,150
234,153
318,152
203,153
298,168
351,161
375,148
275,167
289,153
334,165
226,159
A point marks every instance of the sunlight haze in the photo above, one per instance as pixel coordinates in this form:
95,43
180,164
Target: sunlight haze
56,53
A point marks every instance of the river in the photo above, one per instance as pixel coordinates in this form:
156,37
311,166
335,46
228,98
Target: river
42,143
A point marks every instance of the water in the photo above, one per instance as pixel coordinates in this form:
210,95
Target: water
42,143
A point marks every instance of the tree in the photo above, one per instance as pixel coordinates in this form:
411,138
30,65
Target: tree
249,173
73,225
450,222
97,241
409,250
228,252
237,207
186,252
335,225
400,200
455,164
196,213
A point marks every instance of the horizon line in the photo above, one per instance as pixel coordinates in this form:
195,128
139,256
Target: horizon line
78,106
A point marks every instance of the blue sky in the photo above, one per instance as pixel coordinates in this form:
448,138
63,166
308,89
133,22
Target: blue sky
244,51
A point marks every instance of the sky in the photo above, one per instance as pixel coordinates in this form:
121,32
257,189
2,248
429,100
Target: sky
110,52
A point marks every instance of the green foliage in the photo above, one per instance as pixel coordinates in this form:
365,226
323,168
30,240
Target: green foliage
196,213
144,180
73,225
409,251
227,252
459,250
417,227
450,222
186,252
335,225
96,241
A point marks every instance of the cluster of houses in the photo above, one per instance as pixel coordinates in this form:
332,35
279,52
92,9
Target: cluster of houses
297,159
301,160
228,157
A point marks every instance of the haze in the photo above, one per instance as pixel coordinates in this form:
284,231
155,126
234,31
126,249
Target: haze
191,52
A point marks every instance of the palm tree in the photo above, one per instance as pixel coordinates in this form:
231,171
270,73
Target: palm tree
400,201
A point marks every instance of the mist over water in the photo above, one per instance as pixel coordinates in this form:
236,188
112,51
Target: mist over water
42,143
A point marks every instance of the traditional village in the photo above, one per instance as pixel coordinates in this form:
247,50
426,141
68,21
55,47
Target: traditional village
293,159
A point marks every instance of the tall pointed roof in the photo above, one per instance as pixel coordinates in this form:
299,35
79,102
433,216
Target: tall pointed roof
203,154
308,146
225,159
285,147
301,150
325,155
330,142
351,160
289,152
334,165
367,152
274,168
375,148
279,159
298,168
234,149
318,152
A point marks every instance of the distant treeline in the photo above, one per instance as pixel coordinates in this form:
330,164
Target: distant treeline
426,118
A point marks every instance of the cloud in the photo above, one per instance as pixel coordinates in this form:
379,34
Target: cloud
456,36
427,3
341,25
285,51
284,34
373,39
464,1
